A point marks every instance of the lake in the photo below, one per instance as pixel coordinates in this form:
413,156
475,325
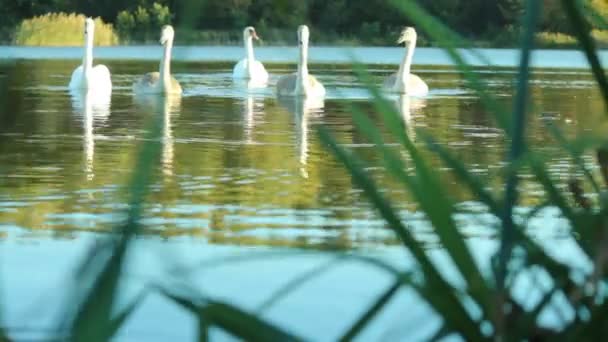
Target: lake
243,172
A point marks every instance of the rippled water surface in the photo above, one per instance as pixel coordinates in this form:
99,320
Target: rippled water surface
238,165
241,168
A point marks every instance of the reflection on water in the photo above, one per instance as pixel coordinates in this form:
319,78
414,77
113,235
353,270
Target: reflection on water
302,109
239,165
90,107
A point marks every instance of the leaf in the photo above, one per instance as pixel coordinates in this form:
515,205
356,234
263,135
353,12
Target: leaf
230,318
369,314
582,31
93,319
456,316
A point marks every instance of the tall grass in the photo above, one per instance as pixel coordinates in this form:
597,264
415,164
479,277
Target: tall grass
500,315
61,29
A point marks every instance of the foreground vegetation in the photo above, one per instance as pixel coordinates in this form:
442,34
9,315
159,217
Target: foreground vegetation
482,307
343,22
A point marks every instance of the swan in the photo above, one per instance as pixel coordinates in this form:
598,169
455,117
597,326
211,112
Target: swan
301,83
404,82
85,76
248,68
161,82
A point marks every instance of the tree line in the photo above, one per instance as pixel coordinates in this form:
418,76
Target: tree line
476,19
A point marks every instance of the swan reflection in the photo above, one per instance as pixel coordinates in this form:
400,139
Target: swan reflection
408,107
302,108
253,110
92,107
165,107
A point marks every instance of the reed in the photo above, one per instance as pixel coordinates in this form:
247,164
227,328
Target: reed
92,315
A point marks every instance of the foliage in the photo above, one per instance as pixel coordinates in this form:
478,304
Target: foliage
484,306
142,24
60,29
351,20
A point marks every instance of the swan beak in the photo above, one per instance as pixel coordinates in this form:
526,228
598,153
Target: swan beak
401,40
254,35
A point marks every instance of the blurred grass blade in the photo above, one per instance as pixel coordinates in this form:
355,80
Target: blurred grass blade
477,188
582,30
448,304
93,319
369,314
428,191
293,284
518,144
119,319
233,320
574,154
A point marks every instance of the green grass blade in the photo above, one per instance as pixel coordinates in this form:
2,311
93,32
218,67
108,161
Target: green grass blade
93,319
477,188
233,320
518,145
298,282
456,316
582,31
369,314
120,318
430,195
575,154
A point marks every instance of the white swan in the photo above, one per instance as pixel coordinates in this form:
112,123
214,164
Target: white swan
404,82
248,68
301,83
87,77
161,82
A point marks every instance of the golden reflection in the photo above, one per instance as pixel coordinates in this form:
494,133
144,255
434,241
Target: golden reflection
408,107
252,108
166,107
91,107
302,108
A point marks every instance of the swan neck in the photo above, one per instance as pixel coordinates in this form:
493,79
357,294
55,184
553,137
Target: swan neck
302,75
404,68
250,56
165,66
87,58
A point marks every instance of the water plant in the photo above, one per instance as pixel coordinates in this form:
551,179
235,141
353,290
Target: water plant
483,306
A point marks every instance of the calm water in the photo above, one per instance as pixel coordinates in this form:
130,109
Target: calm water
240,167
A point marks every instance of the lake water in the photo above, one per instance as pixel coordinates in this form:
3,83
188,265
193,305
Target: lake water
241,169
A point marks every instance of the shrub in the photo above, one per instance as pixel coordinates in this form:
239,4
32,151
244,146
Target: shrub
141,24
61,29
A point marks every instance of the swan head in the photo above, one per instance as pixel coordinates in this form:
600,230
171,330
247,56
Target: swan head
89,27
249,32
303,34
408,35
167,34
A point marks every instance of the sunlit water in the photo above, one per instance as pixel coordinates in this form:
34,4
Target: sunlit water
240,167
